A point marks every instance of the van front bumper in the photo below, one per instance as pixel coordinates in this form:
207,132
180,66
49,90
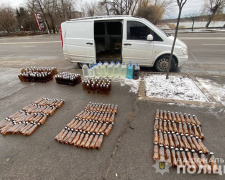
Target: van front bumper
182,60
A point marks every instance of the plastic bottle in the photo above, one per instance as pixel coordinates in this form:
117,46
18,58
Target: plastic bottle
130,71
99,63
160,138
155,152
157,114
212,162
156,124
161,153
179,160
91,63
110,70
136,71
115,69
85,70
106,64
200,132
90,72
171,140
168,156
112,63
190,159
96,71
23,70
173,157
165,138
103,70
99,68
165,126
156,136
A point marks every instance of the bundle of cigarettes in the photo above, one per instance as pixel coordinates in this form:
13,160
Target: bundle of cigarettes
27,120
89,126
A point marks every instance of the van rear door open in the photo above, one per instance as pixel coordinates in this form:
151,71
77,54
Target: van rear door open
78,38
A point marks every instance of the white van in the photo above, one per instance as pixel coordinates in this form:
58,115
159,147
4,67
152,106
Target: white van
120,38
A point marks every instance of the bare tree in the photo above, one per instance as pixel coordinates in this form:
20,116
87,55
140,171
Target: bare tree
104,3
193,16
120,7
153,10
7,19
213,6
53,11
36,6
26,21
93,8
180,4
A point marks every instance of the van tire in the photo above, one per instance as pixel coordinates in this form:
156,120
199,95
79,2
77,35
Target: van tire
162,63
80,65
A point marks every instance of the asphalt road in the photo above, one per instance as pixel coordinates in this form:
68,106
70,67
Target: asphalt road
126,153
206,52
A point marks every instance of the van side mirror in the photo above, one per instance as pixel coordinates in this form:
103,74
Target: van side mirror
149,37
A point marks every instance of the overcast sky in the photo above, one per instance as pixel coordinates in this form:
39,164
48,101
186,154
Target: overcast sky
190,7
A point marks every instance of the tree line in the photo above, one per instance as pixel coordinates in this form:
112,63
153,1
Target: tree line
53,12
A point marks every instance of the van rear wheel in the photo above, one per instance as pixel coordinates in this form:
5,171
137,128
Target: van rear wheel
162,63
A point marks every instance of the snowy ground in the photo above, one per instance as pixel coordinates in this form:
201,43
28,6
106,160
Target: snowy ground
134,84
176,87
198,24
170,31
216,90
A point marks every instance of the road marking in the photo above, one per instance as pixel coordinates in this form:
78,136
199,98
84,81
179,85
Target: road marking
28,46
213,44
196,38
194,57
41,42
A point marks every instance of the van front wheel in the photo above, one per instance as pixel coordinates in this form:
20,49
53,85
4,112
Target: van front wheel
162,63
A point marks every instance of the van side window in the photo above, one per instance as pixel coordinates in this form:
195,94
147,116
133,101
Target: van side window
139,31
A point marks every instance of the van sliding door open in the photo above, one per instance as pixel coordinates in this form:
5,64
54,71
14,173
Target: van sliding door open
79,37
108,40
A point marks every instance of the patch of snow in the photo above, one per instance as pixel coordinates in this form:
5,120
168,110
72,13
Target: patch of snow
171,104
134,84
199,24
163,26
176,87
216,90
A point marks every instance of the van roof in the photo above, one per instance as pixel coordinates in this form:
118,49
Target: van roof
108,17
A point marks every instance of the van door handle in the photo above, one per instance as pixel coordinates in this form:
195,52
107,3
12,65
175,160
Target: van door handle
127,44
89,43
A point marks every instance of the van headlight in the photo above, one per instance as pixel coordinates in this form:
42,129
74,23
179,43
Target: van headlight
184,50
